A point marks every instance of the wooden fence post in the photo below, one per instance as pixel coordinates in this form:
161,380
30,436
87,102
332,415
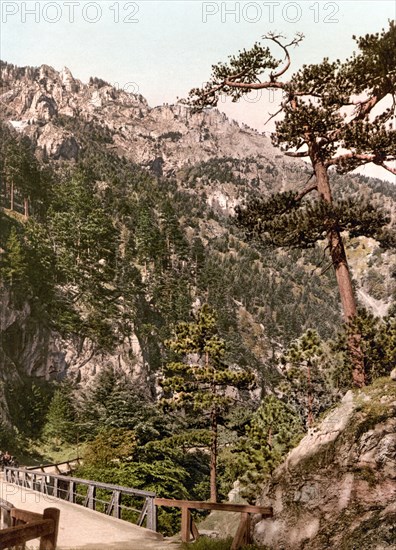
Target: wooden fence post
151,511
49,542
55,487
91,496
242,535
72,490
185,524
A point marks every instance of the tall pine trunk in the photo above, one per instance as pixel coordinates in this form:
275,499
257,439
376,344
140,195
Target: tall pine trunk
12,196
26,207
213,456
343,276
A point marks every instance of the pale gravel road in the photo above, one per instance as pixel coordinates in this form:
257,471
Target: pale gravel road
83,529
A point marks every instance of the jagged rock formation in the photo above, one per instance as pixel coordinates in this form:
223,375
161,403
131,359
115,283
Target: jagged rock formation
337,488
30,348
168,134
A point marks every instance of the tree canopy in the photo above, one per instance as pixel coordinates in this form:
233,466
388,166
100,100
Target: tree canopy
336,114
201,381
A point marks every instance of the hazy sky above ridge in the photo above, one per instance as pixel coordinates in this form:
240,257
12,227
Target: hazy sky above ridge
162,49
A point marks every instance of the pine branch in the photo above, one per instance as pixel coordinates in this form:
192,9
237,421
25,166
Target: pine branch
295,42
307,189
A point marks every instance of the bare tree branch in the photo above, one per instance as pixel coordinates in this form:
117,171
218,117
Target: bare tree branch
350,156
294,42
253,85
274,115
297,154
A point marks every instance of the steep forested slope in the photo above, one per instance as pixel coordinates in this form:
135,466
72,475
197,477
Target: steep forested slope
117,220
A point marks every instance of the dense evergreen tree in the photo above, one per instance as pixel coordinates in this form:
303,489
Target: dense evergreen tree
15,270
110,447
201,381
314,126
20,171
308,385
378,342
273,430
60,425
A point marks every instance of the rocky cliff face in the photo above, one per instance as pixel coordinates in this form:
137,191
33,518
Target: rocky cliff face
337,489
30,348
169,135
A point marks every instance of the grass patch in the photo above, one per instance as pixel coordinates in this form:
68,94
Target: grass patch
206,543
37,454
373,405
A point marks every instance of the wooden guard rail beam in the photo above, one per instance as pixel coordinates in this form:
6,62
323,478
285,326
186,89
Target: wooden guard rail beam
69,463
29,525
189,529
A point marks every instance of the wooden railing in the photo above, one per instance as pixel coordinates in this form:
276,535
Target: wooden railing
70,464
189,529
22,526
5,513
120,502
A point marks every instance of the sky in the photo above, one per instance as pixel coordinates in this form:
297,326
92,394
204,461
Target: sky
162,49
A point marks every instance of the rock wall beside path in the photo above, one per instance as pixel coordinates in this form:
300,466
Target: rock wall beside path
337,489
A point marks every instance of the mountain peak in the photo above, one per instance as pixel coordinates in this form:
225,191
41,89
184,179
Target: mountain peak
140,133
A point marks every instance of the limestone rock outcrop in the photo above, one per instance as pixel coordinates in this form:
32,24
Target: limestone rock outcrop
35,98
29,347
337,488
58,143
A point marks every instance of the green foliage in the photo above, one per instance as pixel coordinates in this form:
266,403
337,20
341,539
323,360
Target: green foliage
200,383
59,427
111,446
308,382
378,340
161,474
282,220
114,401
28,400
205,543
247,64
21,172
15,268
273,430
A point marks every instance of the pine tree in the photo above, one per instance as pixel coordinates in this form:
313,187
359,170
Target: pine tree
110,447
307,384
273,430
20,170
60,424
16,268
378,342
314,102
200,381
